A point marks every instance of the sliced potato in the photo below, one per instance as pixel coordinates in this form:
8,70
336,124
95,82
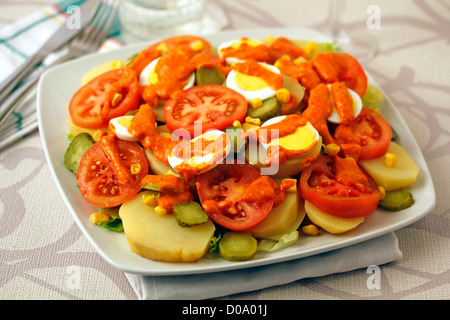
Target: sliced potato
402,175
156,166
328,222
159,237
295,225
279,219
96,71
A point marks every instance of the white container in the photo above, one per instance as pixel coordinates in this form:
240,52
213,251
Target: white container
148,19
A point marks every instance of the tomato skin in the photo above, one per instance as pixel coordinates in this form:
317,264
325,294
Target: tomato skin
374,132
96,177
227,183
208,103
91,115
318,186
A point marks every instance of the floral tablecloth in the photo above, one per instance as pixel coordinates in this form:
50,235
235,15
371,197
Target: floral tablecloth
41,247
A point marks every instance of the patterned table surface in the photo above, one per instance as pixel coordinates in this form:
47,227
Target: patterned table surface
40,242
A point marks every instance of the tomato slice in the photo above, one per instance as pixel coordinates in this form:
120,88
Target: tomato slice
212,106
236,196
93,105
319,185
97,180
374,132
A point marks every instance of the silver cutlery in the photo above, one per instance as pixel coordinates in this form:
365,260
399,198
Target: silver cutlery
61,37
87,41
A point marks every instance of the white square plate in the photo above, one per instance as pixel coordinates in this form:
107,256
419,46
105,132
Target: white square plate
55,90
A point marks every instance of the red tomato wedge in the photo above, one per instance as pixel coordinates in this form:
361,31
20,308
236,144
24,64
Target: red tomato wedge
97,180
204,107
235,196
374,132
93,105
318,185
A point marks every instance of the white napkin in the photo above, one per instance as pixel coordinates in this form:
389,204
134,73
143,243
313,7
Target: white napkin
376,251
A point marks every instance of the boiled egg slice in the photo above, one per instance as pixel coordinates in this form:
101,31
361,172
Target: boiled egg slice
235,44
149,76
357,106
202,153
302,138
251,87
120,126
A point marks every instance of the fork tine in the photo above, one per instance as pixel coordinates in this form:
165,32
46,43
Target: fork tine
101,28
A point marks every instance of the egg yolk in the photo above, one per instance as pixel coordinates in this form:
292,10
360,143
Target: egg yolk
250,83
153,77
252,76
302,138
124,121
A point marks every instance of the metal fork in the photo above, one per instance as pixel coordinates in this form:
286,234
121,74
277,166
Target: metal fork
88,41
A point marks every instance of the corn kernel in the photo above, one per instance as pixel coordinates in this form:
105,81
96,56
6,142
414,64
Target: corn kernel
255,121
98,217
270,39
118,64
149,200
382,191
332,149
165,135
248,126
255,103
160,210
299,61
390,160
377,110
116,99
197,45
283,95
310,230
236,123
98,134
135,168
162,47
311,48
278,64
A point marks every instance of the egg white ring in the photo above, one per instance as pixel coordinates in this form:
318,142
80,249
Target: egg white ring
231,60
262,94
280,118
143,77
175,161
334,118
118,129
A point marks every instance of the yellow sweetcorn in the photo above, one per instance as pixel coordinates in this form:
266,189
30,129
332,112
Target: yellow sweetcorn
311,48
332,149
390,160
255,103
116,99
98,217
162,47
160,210
197,45
135,168
255,121
283,95
310,230
237,123
382,192
149,200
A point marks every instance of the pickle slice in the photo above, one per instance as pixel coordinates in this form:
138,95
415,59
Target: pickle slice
237,246
397,200
270,108
207,75
189,214
77,147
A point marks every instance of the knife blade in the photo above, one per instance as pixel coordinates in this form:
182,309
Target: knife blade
61,37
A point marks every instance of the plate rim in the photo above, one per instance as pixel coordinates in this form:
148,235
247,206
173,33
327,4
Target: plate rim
225,266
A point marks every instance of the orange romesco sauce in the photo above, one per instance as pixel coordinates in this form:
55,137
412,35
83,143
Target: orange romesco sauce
252,68
343,102
263,189
281,46
143,126
348,173
247,52
173,190
110,147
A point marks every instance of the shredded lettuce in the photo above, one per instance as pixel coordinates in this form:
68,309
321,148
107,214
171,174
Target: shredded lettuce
286,240
114,224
